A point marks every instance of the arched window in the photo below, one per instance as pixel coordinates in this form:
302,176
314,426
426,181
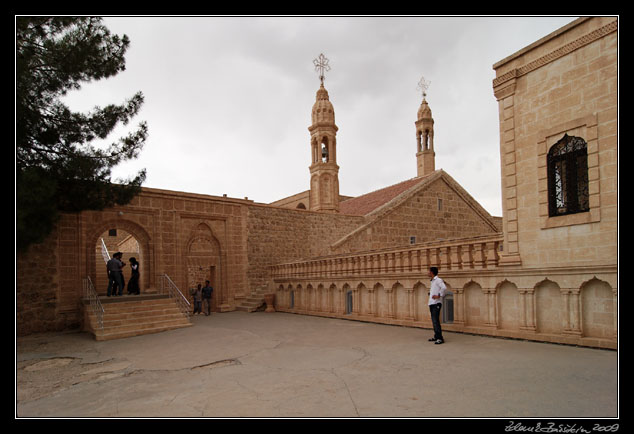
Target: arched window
568,177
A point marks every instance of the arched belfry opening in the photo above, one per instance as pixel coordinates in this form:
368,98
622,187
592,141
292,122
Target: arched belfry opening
325,153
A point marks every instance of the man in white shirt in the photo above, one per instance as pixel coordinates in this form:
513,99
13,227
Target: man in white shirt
436,294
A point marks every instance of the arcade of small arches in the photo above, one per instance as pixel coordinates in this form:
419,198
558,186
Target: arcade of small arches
544,311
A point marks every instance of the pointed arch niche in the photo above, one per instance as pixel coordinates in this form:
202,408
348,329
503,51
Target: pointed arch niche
203,261
509,306
598,310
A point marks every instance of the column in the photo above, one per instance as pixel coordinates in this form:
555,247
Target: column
504,90
492,310
390,302
531,319
522,293
574,308
458,306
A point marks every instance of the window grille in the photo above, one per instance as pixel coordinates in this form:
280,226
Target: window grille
568,177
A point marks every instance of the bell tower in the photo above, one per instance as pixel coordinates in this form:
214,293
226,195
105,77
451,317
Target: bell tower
324,171
425,155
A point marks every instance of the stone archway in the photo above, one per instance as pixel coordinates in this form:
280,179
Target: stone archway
147,264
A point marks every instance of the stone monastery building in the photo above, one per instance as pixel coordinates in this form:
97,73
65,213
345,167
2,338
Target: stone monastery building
547,270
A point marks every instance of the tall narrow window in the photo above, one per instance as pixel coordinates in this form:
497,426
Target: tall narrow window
568,177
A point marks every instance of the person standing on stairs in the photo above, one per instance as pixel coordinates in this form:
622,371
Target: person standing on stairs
114,268
133,283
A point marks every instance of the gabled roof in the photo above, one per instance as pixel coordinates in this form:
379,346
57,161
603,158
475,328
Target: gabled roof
375,205
365,204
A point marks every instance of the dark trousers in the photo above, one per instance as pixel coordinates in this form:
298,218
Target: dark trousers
207,305
434,309
115,280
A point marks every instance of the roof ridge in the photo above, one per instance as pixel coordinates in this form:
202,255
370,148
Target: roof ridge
371,201
383,188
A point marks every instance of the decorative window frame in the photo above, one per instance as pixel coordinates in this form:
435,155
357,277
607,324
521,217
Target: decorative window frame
586,128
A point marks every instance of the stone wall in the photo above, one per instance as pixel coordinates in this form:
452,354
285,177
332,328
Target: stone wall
577,308
565,83
434,213
37,286
278,234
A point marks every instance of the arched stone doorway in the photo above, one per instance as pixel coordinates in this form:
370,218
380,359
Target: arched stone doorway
130,239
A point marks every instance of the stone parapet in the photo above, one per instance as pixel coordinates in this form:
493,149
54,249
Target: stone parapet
460,254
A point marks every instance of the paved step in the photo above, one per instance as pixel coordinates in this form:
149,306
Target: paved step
128,316
254,302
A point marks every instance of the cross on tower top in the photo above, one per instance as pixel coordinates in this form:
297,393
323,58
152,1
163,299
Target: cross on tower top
423,85
321,65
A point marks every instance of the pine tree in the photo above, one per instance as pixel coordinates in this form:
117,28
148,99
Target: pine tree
58,166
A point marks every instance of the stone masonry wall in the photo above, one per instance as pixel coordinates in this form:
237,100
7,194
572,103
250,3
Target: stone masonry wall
38,290
277,234
564,84
432,214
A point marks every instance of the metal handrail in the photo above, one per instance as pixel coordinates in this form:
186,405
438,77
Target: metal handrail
104,251
168,285
93,298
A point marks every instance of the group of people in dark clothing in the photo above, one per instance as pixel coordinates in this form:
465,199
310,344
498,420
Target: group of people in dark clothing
116,282
202,296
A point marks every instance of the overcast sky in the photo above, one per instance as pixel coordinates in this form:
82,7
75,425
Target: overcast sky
228,99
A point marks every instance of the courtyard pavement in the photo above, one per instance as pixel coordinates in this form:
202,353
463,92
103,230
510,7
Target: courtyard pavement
280,365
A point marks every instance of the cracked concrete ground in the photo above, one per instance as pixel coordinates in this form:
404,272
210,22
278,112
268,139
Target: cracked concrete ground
284,365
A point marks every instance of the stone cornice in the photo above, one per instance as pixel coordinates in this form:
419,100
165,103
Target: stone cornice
499,82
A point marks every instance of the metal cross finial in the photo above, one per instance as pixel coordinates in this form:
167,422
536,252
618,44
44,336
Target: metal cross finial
321,65
423,85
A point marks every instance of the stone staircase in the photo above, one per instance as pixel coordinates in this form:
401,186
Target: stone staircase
255,301
135,315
